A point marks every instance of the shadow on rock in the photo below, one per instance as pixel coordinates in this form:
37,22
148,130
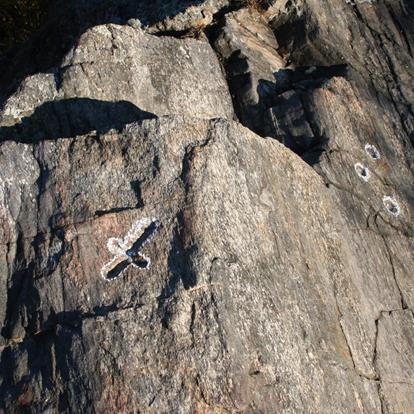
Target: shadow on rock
288,109
283,108
279,106
305,78
44,355
67,21
72,117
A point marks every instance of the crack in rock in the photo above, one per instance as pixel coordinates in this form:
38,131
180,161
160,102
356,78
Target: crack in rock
127,251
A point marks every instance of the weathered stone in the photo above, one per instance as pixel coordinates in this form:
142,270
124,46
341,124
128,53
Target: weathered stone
118,63
376,38
70,20
287,122
370,230
183,15
185,264
248,48
228,244
394,358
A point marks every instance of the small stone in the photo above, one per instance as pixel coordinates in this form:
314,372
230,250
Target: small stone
135,23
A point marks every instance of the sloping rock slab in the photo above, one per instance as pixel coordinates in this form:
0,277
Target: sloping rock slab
226,298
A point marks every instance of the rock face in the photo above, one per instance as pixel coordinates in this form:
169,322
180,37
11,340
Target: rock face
248,48
172,242
120,63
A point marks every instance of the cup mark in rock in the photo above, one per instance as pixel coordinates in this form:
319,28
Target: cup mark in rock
362,171
391,205
127,251
372,152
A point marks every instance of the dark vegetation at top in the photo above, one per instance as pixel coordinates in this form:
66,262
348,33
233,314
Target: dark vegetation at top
53,28
19,19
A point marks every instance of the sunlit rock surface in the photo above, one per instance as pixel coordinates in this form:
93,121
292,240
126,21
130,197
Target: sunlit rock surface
209,214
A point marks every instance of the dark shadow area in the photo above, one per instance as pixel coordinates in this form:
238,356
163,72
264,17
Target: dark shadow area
40,357
402,16
288,108
65,24
17,376
19,19
179,265
21,293
300,42
251,97
305,78
282,108
72,117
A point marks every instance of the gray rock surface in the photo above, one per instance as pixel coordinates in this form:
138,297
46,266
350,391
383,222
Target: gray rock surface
395,359
248,49
119,63
191,14
156,256
229,237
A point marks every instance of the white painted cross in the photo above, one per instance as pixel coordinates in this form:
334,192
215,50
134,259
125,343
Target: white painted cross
127,251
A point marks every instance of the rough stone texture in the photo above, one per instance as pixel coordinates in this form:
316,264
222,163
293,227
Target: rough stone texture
372,231
372,104
287,121
248,49
192,14
119,63
395,359
376,38
186,264
181,333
